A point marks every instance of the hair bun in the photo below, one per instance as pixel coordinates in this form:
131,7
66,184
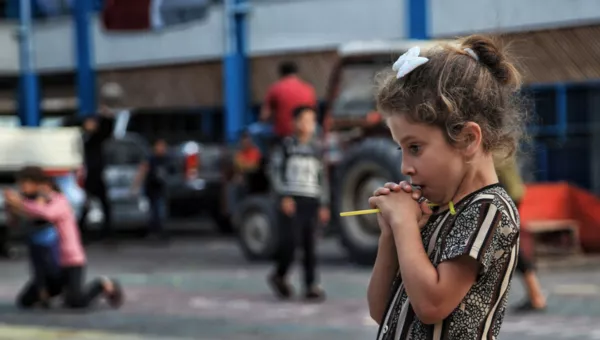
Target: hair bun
492,54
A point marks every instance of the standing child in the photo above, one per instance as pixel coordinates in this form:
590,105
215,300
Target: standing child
154,174
70,282
445,274
300,183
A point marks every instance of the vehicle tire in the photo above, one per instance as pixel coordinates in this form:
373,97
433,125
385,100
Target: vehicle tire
365,167
256,224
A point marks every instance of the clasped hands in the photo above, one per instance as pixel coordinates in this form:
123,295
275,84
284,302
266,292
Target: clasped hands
399,203
12,197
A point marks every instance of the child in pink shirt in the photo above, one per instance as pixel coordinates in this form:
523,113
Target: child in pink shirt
58,211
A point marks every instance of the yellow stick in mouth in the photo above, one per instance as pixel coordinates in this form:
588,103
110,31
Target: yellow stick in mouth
359,212
369,211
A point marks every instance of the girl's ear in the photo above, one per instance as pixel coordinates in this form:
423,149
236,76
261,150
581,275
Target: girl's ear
471,138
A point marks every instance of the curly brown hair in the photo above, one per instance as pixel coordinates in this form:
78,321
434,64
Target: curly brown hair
454,87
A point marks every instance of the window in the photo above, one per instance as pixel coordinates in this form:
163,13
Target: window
545,107
124,152
356,91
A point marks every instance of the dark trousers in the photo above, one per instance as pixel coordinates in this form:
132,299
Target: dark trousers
95,187
69,283
44,265
524,265
158,213
299,229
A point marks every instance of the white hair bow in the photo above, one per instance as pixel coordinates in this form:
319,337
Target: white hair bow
408,62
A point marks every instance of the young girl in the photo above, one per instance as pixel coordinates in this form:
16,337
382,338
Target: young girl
42,242
445,274
70,283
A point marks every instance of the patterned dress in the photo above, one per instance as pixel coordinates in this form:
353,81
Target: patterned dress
486,228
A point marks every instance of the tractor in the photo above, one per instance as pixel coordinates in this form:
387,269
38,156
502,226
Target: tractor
360,155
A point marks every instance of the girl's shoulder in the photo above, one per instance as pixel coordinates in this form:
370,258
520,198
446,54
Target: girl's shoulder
493,194
493,203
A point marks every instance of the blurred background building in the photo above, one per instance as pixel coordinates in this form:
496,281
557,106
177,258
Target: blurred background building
179,62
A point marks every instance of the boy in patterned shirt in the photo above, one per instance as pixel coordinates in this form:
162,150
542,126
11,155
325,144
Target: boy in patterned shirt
451,111
300,182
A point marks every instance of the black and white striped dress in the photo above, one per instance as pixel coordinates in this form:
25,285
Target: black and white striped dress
486,228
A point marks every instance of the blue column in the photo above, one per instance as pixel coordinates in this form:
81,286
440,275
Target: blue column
29,110
561,110
235,65
417,19
86,76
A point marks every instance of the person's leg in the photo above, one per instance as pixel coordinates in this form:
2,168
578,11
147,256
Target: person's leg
42,266
102,195
76,295
525,266
309,216
536,299
154,218
162,207
284,256
82,221
29,296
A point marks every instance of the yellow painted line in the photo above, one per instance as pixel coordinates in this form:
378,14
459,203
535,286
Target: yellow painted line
41,333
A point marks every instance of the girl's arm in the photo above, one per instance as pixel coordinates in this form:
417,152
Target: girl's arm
434,293
384,272
51,211
469,250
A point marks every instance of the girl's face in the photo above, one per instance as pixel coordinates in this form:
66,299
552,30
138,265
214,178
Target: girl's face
428,159
27,187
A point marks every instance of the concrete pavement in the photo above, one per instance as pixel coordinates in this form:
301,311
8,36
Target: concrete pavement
203,289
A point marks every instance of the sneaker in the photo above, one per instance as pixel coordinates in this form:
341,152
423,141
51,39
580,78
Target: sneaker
116,298
527,307
280,287
315,293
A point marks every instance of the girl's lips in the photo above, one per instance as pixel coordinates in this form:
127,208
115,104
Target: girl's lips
418,186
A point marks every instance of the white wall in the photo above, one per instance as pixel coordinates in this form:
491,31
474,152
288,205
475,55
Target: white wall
9,58
275,26
284,25
455,17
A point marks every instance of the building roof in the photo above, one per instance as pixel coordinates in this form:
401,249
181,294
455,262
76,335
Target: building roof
369,47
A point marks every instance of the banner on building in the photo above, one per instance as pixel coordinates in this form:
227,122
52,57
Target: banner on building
140,15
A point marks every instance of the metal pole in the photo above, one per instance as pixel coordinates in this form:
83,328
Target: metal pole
86,76
235,68
417,20
29,110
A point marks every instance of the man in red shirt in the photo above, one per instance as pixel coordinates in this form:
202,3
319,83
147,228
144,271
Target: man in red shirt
284,96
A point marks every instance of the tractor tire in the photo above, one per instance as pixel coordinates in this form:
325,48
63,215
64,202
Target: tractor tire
256,224
365,167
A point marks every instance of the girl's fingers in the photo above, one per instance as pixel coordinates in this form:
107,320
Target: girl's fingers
425,208
372,202
417,193
392,186
406,186
381,191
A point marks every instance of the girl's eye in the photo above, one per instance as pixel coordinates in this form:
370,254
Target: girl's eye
414,149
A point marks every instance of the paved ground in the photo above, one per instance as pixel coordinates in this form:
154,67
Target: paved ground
203,289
